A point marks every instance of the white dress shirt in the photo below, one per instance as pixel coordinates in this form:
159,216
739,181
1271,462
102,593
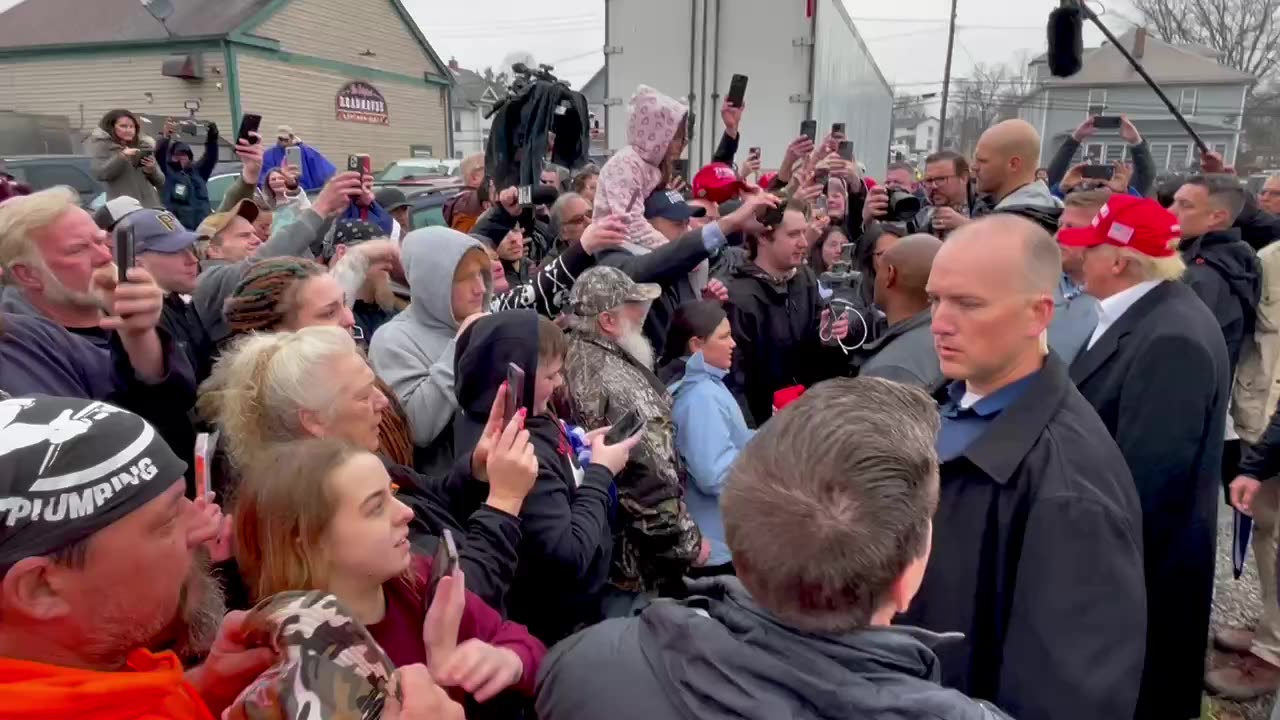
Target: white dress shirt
1111,309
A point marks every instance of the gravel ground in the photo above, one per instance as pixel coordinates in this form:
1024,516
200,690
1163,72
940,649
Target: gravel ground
1236,603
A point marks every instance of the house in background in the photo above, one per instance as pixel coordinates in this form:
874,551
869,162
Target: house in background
1210,95
373,85
914,137
473,96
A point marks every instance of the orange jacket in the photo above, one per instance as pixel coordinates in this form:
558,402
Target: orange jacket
154,690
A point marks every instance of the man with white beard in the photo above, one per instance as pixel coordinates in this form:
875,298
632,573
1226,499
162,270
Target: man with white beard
609,372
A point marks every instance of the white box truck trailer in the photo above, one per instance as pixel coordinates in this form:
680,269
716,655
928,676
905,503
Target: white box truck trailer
805,59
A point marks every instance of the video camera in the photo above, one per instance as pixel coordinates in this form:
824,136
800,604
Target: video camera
844,298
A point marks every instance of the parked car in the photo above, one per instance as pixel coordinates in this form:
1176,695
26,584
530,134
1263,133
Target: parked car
42,172
427,206
414,170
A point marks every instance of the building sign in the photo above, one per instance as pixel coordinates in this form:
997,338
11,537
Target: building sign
361,102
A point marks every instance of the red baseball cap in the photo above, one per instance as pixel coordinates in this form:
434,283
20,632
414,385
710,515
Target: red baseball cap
718,183
1128,222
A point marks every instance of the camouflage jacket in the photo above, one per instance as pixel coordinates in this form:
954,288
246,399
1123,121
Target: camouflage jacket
655,539
327,664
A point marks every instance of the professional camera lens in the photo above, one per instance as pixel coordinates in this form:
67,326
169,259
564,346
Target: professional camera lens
903,205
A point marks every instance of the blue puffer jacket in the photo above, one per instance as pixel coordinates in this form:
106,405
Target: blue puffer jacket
710,431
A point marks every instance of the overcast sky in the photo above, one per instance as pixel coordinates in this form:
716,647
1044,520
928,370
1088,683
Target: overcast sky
908,39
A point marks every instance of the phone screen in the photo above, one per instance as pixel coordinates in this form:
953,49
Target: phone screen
809,128
293,156
737,90
203,457
846,150
1099,172
515,392
124,251
526,195
443,563
837,128
1106,122
627,425
249,124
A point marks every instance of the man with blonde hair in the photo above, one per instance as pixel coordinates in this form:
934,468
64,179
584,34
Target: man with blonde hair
1156,370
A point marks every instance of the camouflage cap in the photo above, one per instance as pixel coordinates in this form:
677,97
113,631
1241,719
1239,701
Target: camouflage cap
604,288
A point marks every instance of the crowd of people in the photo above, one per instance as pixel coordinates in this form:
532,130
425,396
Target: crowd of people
793,443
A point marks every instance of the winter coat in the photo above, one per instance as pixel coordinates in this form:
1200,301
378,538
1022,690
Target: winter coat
414,352
1033,201
710,432
719,655
905,354
1037,556
1255,393
668,267
1225,273
186,192
219,278
655,538
775,325
180,319
316,168
125,177
1159,379
38,356
634,172
568,543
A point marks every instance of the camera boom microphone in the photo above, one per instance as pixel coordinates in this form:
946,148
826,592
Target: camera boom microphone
1066,40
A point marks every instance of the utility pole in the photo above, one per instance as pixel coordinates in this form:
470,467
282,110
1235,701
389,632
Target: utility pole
946,80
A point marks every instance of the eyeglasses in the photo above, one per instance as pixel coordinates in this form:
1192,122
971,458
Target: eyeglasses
1269,193
936,180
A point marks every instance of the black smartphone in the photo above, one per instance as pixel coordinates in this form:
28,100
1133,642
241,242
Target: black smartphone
1106,122
627,425
525,195
249,123
143,153
837,128
754,152
846,150
515,392
1099,172
737,90
124,251
443,563
809,129
362,164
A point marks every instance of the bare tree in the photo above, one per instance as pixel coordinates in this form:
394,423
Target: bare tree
1246,32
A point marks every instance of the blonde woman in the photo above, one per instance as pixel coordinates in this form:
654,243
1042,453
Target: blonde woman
315,383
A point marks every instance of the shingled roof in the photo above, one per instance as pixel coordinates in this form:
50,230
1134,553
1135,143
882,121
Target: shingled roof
1166,63
34,23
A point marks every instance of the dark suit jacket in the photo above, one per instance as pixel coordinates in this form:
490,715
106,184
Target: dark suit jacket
1158,378
1036,559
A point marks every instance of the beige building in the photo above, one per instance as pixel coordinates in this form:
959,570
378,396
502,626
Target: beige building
347,76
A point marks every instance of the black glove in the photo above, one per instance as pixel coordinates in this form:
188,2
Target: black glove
213,132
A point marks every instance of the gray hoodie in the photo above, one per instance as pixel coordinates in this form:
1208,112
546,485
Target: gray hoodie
1033,194
718,655
413,353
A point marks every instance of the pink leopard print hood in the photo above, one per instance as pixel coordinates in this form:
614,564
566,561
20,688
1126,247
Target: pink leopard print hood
629,177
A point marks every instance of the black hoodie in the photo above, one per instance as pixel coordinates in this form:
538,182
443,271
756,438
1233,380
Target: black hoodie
1224,271
775,325
1258,227
719,655
568,543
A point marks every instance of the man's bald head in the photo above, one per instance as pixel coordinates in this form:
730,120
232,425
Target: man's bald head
1020,247
1006,157
912,258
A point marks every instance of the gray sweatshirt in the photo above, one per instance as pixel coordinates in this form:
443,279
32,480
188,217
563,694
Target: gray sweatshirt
218,278
413,353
